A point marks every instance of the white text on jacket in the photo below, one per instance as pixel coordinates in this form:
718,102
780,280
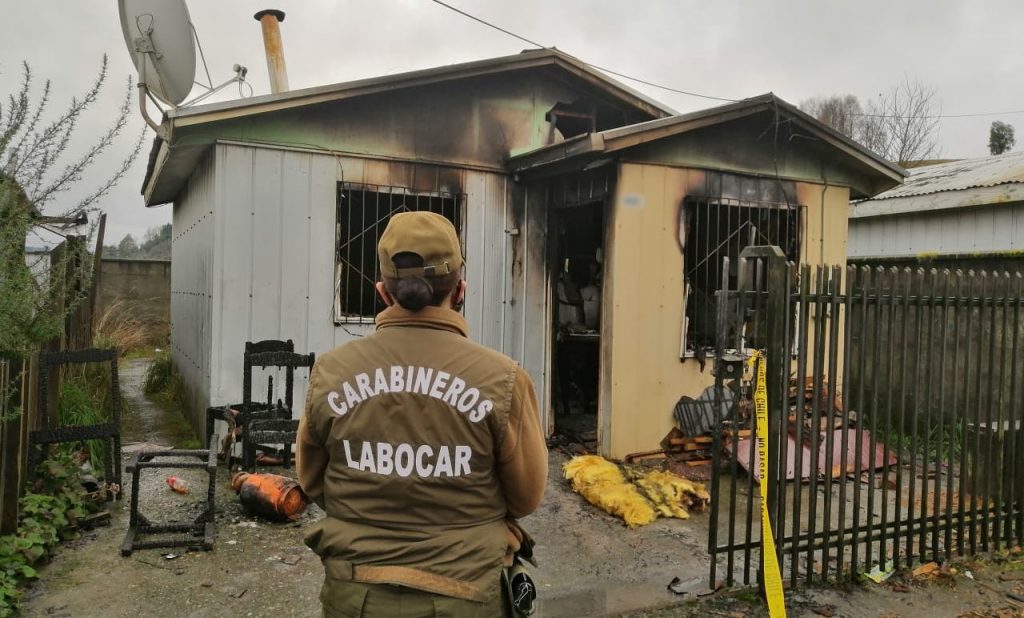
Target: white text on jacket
450,389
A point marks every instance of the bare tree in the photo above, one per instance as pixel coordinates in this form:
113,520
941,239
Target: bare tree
900,125
842,112
34,170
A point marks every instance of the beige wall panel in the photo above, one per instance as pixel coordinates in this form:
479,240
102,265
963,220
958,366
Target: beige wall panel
644,373
825,242
825,227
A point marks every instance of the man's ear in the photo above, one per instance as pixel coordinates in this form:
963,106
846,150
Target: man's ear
459,295
385,296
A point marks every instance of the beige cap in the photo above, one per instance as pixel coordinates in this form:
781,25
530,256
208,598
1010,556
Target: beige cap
426,234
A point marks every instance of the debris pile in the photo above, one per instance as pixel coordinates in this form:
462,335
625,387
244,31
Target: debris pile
686,456
637,496
815,411
827,399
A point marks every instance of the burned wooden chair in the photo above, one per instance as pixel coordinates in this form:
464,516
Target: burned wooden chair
268,425
232,414
108,432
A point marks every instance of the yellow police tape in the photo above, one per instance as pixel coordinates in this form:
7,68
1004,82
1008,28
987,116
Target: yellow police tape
770,561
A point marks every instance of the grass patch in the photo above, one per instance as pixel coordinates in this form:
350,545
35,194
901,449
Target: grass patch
162,381
80,405
190,443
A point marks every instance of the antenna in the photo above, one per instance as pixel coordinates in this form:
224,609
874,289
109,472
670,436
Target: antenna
162,42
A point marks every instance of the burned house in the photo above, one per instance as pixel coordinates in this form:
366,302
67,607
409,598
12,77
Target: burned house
594,222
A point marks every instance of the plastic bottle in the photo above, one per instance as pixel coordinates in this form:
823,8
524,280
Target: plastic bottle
177,485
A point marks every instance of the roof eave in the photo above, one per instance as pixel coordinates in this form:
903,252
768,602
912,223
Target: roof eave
633,135
944,200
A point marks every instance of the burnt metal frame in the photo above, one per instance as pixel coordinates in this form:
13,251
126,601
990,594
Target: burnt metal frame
52,433
217,413
729,213
198,533
954,323
363,229
272,423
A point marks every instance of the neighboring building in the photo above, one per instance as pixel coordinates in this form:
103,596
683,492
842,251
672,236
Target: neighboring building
558,179
966,214
38,261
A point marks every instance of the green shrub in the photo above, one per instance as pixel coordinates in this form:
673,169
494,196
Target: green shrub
161,379
48,514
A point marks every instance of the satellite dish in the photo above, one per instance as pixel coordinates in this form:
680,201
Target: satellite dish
159,38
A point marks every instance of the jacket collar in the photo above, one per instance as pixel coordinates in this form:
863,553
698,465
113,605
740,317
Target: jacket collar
439,318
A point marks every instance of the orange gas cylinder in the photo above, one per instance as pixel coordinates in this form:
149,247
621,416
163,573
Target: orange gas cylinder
270,495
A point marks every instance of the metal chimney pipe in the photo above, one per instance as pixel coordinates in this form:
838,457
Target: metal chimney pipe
269,18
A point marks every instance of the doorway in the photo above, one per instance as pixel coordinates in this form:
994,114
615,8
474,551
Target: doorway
578,264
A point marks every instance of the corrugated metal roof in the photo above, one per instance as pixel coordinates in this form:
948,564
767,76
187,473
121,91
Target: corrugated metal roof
959,175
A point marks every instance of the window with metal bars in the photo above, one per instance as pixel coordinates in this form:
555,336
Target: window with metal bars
363,211
715,228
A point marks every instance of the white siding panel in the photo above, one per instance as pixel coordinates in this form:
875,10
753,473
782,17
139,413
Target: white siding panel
192,280
476,255
1000,221
1018,229
528,319
487,261
296,214
319,251
495,263
268,213
234,265
992,229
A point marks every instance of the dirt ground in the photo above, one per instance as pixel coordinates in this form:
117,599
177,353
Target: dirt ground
589,563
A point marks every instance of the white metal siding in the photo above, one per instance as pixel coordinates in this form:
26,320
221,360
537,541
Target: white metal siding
192,278
274,250
528,316
998,228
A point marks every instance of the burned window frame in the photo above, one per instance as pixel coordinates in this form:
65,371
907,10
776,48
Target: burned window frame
355,256
793,215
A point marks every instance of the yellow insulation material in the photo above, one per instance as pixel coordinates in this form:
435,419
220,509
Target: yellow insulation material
672,494
601,483
638,500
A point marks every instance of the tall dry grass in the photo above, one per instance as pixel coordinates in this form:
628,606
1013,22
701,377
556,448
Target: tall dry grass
121,326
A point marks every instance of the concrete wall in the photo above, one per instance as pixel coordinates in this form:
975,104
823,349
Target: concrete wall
144,284
643,297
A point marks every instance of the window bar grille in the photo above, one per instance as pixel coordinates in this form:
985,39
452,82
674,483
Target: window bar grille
363,212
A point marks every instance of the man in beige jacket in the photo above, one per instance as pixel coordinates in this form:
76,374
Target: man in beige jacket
421,446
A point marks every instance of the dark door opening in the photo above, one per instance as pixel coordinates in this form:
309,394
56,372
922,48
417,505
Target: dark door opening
578,262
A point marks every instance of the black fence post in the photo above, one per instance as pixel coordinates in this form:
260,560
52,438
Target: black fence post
778,381
776,312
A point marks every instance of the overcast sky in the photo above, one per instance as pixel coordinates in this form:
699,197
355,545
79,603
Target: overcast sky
970,52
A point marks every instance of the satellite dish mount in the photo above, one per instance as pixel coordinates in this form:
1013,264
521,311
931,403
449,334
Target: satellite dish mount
162,41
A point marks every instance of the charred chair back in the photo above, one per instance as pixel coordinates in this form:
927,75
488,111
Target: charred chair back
265,426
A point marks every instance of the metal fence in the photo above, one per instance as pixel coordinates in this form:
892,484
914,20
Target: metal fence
896,409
